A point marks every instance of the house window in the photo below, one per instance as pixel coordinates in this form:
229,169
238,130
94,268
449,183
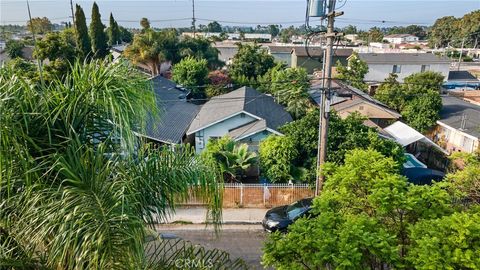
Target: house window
397,69
425,68
199,139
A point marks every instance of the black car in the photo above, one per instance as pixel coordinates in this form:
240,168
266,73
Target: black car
278,218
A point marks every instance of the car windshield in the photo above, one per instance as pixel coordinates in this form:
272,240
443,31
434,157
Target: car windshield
296,209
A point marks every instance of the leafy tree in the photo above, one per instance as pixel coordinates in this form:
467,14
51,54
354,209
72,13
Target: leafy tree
14,48
113,31
233,159
365,215
81,33
125,35
152,48
421,113
201,48
466,178
443,31
250,62
373,35
350,29
24,68
276,156
354,73
98,37
83,174
273,30
145,24
470,28
39,25
219,83
54,46
191,73
214,27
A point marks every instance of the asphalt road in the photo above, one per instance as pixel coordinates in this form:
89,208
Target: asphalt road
241,241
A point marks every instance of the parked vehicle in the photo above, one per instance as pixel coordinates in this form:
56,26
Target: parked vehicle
279,218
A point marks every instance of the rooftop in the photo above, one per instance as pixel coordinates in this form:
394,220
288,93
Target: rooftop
403,58
318,51
454,109
461,75
399,36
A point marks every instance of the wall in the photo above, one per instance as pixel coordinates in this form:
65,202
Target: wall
454,140
379,72
283,57
221,129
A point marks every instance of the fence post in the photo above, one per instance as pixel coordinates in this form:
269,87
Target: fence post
264,194
241,194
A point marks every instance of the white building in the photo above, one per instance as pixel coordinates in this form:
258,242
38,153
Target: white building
400,38
380,65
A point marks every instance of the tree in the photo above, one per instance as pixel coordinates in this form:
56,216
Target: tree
14,48
214,27
145,24
373,35
125,35
201,48
113,32
276,156
251,61
350,29
354,73
273,30
470,28
81,33
152,48
231,158
91,178
192,74
418,99
219,83
54,46
39,25
443,31
98,37
369,217
290,87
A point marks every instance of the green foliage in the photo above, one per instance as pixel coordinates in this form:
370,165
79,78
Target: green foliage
277,154
418,100
145,24
191,73
231,158
125,35
249,63
273,30
373,35
86,186
451,31
152,48
200,48
98,38
290,87
113,31
369,217
14,48
54,46
451,242
214,27
39,25
219,83
81,33
354,73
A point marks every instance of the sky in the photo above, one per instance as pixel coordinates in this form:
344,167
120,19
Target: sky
177,13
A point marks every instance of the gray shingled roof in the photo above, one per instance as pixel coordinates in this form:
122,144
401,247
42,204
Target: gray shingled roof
461,75
403,58
318,51
248,129
176,114
244,99
452,111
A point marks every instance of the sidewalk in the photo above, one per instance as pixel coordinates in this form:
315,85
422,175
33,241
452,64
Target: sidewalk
196,215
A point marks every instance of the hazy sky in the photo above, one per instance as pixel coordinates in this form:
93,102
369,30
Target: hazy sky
177,13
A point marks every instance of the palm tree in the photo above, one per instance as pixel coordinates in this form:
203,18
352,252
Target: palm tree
78,188
236,159
152,48
295,99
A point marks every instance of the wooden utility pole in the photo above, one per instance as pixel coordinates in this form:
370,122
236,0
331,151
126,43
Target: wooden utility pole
325,94
193,18
461,54
39,62
73,13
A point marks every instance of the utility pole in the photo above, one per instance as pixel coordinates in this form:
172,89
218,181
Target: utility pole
325,94
193,18
73,14
461,53
39,63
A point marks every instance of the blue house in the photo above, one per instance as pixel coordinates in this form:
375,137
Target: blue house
245,115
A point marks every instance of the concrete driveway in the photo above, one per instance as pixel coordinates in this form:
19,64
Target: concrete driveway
241,241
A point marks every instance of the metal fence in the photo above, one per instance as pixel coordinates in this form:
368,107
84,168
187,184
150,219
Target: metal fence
258,195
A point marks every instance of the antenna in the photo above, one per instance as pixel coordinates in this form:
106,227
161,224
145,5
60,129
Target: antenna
39,63
464,121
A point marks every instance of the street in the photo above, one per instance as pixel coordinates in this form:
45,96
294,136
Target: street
241,241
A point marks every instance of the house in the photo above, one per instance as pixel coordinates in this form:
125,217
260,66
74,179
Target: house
461,80
312,59
380,65
458,129
400,38
174,116
281,53
226,51
347,100
245,115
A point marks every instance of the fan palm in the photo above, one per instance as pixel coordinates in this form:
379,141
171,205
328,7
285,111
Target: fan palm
235,159
78,189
